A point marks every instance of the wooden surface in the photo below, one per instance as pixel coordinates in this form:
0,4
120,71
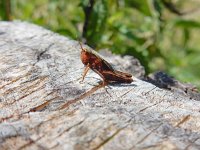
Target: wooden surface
43,105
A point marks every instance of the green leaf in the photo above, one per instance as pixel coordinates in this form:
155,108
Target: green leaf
187,23
142,6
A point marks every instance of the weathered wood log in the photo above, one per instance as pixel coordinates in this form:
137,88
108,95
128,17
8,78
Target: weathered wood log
43,105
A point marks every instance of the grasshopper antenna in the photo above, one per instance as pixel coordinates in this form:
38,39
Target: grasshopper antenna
81,46
79,41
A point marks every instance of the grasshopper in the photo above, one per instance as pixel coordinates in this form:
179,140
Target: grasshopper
92,60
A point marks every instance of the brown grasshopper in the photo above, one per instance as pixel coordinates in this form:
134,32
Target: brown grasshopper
92,60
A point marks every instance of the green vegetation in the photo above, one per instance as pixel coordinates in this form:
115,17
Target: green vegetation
162,34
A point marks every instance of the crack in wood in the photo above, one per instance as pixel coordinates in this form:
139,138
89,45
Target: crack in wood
150,106
26,95
94,89
1,33
150,91
45,133
146,136
54,146
43,105
5,118
73,80
31,141
15,80
108,139
50,94
126,93
68,129
37,108
188,146
186,118
35,83
54,117
43,52
31,80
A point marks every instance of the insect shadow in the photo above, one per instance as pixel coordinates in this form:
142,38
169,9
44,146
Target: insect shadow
110,85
